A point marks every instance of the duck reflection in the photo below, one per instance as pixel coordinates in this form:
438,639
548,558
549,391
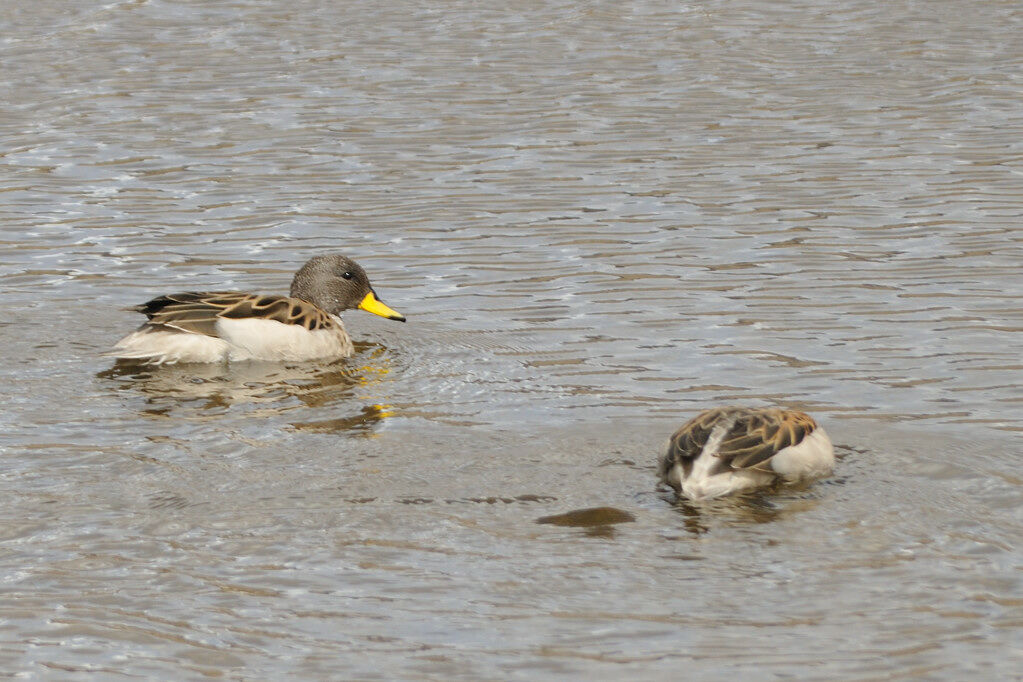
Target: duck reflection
368,417
264,387
698,517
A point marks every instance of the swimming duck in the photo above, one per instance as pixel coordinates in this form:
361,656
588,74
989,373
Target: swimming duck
232,325
732,449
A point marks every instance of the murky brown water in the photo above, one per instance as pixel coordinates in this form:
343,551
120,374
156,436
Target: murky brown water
598,218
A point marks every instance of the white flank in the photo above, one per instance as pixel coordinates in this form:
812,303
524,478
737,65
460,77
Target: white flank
245,339
168,348
811,457
722,484
254,339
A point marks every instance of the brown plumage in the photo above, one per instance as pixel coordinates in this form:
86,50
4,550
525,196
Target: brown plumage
737,447
197,312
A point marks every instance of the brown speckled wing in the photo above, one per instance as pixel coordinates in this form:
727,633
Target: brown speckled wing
753,436
197,312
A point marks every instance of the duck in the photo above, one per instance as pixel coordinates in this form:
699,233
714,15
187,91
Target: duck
220,326
728,450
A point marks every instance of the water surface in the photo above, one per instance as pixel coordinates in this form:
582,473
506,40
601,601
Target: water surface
598,219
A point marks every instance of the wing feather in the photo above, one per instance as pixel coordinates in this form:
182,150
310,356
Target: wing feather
196,312
753,436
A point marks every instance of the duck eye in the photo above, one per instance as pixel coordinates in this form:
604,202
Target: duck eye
347,275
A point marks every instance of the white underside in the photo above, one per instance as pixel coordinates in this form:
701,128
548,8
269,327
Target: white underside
250,339
813,457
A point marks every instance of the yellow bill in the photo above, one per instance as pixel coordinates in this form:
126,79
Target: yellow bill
371,305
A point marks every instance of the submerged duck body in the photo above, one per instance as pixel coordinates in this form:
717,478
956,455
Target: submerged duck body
219,326
727,450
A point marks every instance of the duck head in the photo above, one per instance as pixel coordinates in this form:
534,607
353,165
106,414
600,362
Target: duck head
335,283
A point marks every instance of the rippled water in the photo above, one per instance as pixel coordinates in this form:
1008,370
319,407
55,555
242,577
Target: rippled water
598,218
